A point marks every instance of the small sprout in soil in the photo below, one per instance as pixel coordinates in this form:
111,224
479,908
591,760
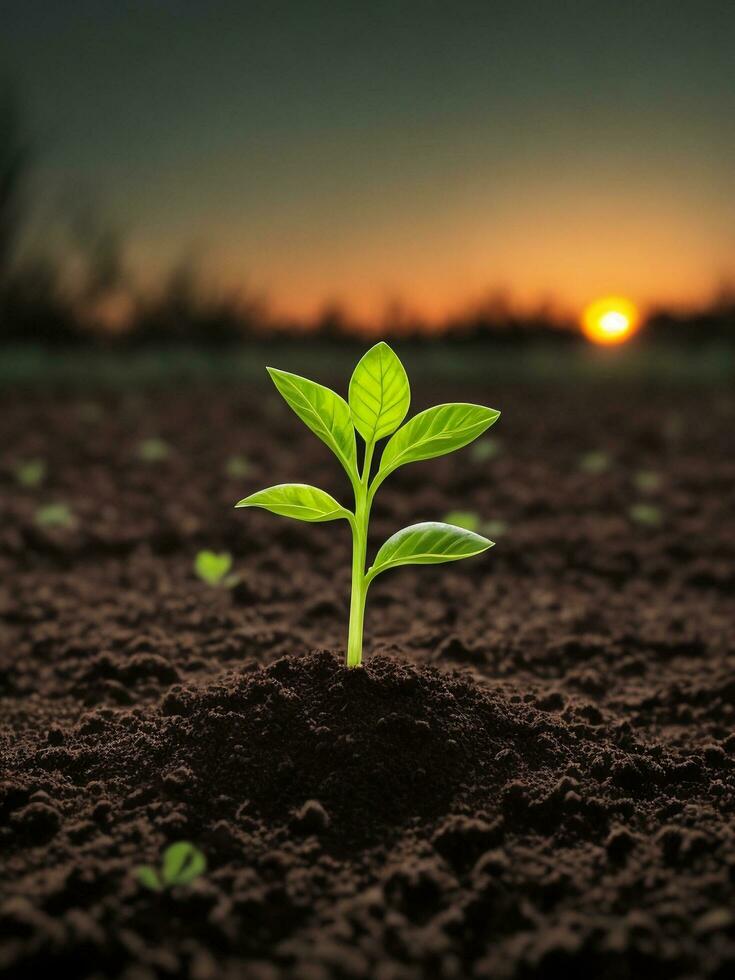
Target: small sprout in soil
237,466
467,519
55,515
30,472
496,528
213,568
471,521
486,449
647,481
646,514
595,462
379,397
180,865
153,450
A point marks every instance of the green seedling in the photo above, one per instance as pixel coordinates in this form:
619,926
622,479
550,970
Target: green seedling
595,462
180,865
486,449
647,481
646,514
153,450
379,397
467,519
30,473
55,515
496,528
471,521
237,466
213,568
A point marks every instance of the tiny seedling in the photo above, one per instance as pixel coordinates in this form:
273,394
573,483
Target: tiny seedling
467,519
647,481
496,528
55,515
595,462
379,397
237,466
153,450
486,449
213,568
181,864
30,472
472,521
646,514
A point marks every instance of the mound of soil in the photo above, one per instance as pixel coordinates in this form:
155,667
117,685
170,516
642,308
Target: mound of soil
533,775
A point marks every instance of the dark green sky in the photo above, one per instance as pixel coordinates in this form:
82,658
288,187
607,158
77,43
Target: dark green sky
366,150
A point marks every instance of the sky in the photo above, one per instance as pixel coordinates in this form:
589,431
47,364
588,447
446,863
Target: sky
369,151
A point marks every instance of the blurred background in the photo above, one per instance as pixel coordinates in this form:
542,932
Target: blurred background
528,186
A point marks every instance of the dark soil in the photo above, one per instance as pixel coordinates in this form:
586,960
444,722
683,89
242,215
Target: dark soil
533,776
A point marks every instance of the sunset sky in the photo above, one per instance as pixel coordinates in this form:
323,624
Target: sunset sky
367,151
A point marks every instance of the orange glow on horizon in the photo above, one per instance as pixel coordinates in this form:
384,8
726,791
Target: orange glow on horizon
611,320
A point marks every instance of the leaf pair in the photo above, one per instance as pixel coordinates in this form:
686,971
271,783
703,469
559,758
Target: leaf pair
379,398
182,862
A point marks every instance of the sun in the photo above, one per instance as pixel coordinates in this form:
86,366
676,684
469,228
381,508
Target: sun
611,320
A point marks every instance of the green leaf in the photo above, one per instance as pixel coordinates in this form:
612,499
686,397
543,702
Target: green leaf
497,528
149,878
153,450
297,500
427,544
646,514
379,393
182,862
237,466
486,449
30,473
647,481
212,567
436,431
595,462
55,515
325,413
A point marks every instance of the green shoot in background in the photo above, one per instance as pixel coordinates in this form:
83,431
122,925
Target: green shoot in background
30,473
181,864
211,567
153,450
55,515
237,466
379,397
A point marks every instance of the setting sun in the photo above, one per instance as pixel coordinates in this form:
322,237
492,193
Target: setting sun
611,320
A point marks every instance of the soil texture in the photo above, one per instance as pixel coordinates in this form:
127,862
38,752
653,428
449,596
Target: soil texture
533,775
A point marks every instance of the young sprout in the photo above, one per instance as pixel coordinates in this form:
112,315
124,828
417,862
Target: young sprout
211,567
595,462
30,472
153,450
486,449
181,864
237,466
379,397
496,528
467,519
55,515
472,521
646,514
647,481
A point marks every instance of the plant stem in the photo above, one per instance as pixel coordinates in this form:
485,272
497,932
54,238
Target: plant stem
359,552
